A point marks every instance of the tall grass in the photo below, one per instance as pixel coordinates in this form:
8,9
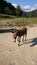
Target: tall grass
15,21
24,21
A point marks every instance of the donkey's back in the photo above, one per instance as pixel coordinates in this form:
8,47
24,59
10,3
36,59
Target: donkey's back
22,31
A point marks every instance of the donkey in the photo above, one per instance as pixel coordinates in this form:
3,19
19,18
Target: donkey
19,33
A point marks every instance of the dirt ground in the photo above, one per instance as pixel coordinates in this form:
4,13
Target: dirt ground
12,54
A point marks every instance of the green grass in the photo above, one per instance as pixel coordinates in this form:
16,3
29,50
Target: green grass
13,20
24,21
5,16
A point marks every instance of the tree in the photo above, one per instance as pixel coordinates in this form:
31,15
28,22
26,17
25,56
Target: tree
18,11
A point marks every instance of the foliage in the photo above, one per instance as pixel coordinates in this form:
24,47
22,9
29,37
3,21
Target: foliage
14,21
8,8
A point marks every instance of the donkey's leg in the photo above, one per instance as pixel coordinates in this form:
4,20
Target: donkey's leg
14,37
19,40
25,37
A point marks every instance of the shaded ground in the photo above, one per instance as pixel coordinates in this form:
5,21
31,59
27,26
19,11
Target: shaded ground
12,54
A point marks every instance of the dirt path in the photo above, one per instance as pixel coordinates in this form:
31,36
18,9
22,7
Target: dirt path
12,54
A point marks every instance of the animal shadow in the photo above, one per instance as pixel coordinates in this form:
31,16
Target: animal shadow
7,30
34,42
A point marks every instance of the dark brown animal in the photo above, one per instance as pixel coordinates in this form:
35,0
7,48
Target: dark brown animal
20,32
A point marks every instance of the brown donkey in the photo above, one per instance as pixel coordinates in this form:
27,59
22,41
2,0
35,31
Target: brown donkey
19,33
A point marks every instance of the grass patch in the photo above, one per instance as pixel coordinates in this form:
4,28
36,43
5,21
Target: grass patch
5,16
24,21
15,21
